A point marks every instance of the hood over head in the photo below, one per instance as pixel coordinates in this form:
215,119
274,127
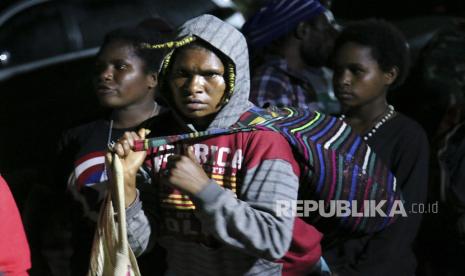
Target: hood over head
232,44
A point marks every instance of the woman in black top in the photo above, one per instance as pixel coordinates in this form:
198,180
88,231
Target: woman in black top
125,81
370,57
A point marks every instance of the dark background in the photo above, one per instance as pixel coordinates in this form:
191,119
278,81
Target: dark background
38,102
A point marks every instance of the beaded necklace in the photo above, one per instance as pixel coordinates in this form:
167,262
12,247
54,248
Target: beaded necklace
390,112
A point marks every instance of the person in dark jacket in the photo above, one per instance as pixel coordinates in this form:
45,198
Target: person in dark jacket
125,80
370,57
291,41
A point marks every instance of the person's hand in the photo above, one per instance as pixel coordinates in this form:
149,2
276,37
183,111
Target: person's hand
130,160
185,173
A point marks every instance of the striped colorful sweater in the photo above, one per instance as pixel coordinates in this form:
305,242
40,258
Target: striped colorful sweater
336,165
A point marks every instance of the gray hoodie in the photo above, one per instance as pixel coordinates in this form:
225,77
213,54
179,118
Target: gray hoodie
251,235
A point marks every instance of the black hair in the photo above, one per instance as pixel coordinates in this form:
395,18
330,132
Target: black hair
387,44
156,31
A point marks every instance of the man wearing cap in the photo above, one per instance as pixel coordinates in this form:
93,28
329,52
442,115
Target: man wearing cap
294,38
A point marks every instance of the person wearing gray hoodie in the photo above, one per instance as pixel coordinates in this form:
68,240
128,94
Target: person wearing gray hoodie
215,201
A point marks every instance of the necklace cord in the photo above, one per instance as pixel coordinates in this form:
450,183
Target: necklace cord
111,143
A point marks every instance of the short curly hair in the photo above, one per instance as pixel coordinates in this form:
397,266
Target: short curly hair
388,45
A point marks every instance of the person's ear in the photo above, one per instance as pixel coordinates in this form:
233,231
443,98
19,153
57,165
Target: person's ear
152,80
391,75
302,30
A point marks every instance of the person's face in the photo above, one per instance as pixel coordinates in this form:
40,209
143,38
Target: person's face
318,41
119,77
358,80
197,83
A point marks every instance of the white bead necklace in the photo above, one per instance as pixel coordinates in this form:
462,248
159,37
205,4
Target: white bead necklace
390,112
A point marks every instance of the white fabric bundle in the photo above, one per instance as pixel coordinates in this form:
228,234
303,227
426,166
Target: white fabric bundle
111,254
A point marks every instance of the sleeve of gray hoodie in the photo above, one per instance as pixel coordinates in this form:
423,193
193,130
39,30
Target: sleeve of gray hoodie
140,216
139,230
250,222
